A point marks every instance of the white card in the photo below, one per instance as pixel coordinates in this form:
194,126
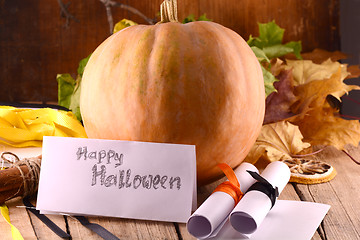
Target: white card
127,179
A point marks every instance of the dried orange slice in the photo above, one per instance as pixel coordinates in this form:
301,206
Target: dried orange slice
309,171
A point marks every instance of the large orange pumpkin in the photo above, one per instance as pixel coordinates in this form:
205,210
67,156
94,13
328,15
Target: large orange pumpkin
196,83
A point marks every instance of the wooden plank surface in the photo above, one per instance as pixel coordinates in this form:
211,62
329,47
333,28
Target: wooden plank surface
343,219
124,229
341,223
20,218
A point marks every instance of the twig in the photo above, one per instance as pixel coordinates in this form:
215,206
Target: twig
107,5
65,13
305,155
110,3
357,162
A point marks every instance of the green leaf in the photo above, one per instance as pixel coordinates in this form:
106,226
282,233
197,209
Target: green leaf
82,65
66,85
278,50
269,45
269,80
69,89
204,18
270,33
251,41
191,18
255,42
260,54
297,48
75,99
270,41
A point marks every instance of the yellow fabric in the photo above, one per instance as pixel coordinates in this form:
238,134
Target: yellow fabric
26,127
16,235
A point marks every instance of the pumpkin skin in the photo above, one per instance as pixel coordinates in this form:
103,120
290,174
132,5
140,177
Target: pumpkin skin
197,83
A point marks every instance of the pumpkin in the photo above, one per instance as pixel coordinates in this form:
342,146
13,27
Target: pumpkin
197,83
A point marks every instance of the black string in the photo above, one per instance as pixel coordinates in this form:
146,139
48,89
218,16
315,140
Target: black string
33,105
264,186
99,230
50,224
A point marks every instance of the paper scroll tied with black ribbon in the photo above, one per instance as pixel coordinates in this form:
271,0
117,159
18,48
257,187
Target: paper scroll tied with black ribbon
248,214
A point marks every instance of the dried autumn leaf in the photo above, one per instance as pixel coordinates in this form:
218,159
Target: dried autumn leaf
277,65
320,55
278,103
277,141
318,122
305,71
307,96
313,94
325,127
354,71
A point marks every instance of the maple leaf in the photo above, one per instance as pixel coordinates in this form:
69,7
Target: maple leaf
278,103
305,71
317,120
313,93
325,127
277,141
319,56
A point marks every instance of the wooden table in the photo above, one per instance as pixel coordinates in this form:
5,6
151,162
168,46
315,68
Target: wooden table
341,222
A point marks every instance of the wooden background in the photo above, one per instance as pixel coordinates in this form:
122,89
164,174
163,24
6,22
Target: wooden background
36,42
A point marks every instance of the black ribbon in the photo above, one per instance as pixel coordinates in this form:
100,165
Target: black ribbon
99,230
264,186
50,224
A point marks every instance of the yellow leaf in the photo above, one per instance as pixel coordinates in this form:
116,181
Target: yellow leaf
323,127
305,71
277,141
123,24
313,94
318,122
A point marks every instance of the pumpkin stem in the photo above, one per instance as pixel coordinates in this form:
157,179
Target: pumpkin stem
168,11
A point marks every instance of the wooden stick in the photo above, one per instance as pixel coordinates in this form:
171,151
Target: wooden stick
10,194
12,181
11,178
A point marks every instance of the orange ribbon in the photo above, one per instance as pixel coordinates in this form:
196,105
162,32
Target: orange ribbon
231,187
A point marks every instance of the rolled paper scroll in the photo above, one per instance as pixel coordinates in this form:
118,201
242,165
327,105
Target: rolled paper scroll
249,213
208,219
